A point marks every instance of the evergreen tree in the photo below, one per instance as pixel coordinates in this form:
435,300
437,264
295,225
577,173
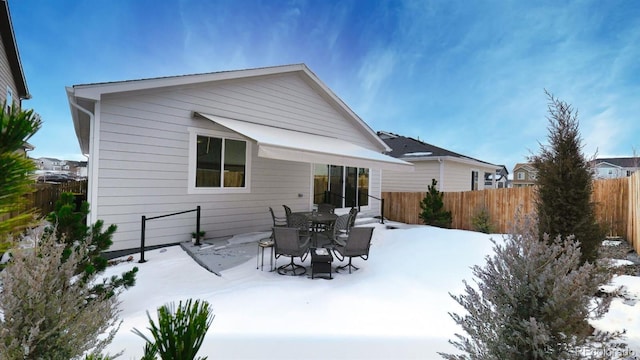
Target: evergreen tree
564,182
16,170
69,228
432,206
532,300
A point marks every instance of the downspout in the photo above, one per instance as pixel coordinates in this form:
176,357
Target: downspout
92,218
441,175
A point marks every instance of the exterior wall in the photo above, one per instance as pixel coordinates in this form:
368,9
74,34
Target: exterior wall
418,180
144,154
455,177
6,77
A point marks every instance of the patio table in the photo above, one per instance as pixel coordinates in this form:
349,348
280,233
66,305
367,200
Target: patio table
319,222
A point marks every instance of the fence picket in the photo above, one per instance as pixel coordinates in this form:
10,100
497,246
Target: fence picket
617,206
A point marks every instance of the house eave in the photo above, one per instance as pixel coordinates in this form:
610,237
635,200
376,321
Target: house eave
452,159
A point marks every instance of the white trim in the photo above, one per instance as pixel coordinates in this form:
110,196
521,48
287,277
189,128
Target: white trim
193,149
94,159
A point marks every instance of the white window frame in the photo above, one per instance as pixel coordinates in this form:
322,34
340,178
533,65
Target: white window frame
193,162
521,175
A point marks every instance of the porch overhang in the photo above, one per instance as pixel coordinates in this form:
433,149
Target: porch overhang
289,145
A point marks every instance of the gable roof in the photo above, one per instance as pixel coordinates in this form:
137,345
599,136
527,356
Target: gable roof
525,166
410,149
85,94
11,49
623,162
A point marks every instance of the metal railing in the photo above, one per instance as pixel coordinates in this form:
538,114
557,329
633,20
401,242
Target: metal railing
144,227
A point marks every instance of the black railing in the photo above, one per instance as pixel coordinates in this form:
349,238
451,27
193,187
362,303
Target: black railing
329,196
144,227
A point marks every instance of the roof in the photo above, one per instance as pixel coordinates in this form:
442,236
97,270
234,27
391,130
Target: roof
624,162
410,149
526,166
11,48
85,94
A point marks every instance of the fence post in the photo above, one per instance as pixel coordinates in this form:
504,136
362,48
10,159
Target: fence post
142,231
382,211
198,225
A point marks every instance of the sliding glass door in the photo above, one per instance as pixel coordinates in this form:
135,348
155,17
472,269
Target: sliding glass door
341,186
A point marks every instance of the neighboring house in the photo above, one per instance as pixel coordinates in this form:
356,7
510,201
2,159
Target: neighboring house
453,171
51,164
497,180
77,168
13,86
612,168
234,142
524,174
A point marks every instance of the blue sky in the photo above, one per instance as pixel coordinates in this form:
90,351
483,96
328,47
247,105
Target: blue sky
465,75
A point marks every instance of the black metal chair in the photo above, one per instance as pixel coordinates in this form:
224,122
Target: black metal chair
326,208
337,234
278,221
299,221
354,214
357,245
269,243
289,243
287,211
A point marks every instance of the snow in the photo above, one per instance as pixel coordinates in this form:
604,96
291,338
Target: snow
396,306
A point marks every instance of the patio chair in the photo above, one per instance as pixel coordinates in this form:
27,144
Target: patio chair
326,208
354,214
277,221
300,222
287,211
337,234
357,245
289,243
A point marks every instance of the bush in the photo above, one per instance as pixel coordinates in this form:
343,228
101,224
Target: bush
48,311
532,301
481,221
432,206
179,333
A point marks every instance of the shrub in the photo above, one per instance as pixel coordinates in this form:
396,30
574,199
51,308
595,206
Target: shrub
48,311
532,301
180,331
432,206
481,221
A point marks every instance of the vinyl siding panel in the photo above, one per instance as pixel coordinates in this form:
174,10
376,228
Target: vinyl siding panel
416,181
6,77
144,156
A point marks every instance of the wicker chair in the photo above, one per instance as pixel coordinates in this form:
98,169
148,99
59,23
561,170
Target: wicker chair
289,243
357,245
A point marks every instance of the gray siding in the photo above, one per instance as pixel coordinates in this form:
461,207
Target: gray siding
6,77
144,154
456,177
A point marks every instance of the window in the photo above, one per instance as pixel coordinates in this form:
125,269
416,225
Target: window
474,180
342,186
9,99
218,163
520,175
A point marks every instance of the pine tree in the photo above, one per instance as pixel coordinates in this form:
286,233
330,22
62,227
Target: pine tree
16,127
564,182
432,206
532,300
69,228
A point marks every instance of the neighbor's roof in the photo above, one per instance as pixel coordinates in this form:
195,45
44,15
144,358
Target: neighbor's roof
11,49
624,162
406,148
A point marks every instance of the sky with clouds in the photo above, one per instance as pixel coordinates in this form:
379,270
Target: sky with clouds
468,76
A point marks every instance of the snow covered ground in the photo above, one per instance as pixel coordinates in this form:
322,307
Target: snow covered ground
395,307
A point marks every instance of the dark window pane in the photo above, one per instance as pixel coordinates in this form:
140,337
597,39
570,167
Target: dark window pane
320,183
363,187
234,163
336,179
209,155
350,187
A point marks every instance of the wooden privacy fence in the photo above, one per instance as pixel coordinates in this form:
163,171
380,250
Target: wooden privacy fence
617,206
45,195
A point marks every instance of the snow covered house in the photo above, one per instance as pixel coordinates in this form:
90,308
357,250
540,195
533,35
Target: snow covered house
452,171
234,142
